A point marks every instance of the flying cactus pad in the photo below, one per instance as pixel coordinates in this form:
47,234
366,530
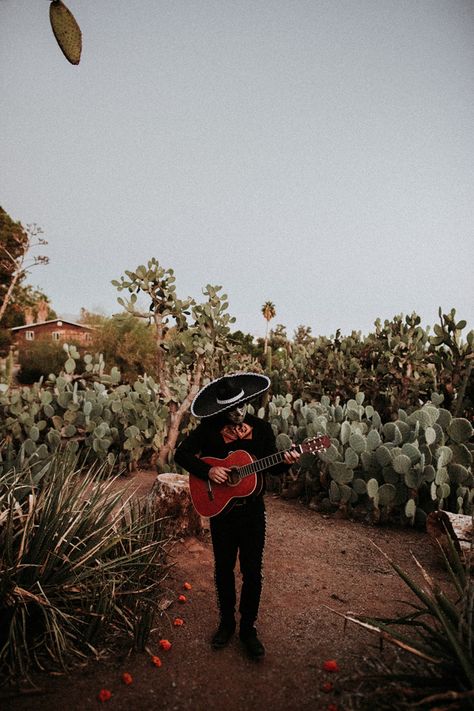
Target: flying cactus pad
66,30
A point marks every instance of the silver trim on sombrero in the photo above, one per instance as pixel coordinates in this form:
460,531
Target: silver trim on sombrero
230,400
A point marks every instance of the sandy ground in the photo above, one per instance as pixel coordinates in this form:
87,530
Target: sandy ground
313,562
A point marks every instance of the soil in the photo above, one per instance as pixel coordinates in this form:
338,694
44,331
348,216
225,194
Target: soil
315,566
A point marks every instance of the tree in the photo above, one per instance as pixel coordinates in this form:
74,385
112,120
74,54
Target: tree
13,240
125,342
42,358
302,335
91,318
191,340
28,299
245,343
279,337
16,243
269,312
24,299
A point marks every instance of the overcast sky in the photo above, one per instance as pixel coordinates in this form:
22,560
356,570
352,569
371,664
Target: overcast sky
318,154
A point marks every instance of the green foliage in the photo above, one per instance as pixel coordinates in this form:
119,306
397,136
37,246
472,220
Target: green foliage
14,240
40,359
127,343
191,339
438,632
16,243
76,561
396,366
15,258
6,341
453,359
6,372
124,423
91,412
402,469
24,300
268,312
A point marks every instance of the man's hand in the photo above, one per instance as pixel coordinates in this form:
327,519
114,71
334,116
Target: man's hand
292,456
218,474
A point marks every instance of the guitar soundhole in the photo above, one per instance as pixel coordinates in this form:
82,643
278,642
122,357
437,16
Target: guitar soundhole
234,478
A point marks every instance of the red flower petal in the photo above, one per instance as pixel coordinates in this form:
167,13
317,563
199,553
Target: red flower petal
156,661
127,678
330,665
178,622
104,695
187,586
165,644
182,598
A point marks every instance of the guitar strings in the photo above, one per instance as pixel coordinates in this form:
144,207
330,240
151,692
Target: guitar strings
271,460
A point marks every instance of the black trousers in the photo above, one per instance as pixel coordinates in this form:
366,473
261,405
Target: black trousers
242,532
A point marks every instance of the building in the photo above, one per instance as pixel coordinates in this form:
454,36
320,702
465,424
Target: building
56,330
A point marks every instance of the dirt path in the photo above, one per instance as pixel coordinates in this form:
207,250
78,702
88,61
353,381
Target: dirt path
311,561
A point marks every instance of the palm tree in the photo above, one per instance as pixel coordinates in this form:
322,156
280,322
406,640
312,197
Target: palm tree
269,312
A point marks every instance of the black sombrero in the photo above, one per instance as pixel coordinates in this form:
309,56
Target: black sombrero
228,392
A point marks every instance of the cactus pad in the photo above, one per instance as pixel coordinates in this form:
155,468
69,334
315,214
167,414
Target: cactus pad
460,429
66,30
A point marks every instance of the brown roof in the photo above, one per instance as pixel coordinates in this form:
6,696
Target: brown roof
54,320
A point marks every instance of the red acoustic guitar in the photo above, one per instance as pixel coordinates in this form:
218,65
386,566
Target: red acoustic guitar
210,499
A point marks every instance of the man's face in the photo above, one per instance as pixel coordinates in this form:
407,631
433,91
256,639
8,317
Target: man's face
237,414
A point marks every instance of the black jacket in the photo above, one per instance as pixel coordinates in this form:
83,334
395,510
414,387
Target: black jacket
207,441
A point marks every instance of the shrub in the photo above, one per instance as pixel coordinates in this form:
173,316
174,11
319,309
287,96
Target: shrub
405,468
42,358
128,344
5,342
438,632
75,562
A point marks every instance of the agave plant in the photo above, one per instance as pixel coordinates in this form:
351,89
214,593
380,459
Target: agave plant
76,561
439,634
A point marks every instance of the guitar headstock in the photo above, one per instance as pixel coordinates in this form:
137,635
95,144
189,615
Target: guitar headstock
316,444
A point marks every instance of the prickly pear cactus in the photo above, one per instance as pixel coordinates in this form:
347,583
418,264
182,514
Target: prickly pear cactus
405,468
109,421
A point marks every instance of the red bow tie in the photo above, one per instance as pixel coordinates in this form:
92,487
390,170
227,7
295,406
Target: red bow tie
233,432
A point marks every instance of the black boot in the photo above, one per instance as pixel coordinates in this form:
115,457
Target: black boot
253,647
223,634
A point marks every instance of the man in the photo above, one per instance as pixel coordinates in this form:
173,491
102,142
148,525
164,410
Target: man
240,527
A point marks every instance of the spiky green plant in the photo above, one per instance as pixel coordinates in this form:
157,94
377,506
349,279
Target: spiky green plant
77,561
439,634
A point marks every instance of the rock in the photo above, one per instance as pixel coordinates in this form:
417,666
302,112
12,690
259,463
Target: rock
172,500
444,526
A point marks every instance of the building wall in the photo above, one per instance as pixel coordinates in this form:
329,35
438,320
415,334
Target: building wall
53,332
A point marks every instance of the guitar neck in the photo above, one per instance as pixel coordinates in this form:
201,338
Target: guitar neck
261,464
